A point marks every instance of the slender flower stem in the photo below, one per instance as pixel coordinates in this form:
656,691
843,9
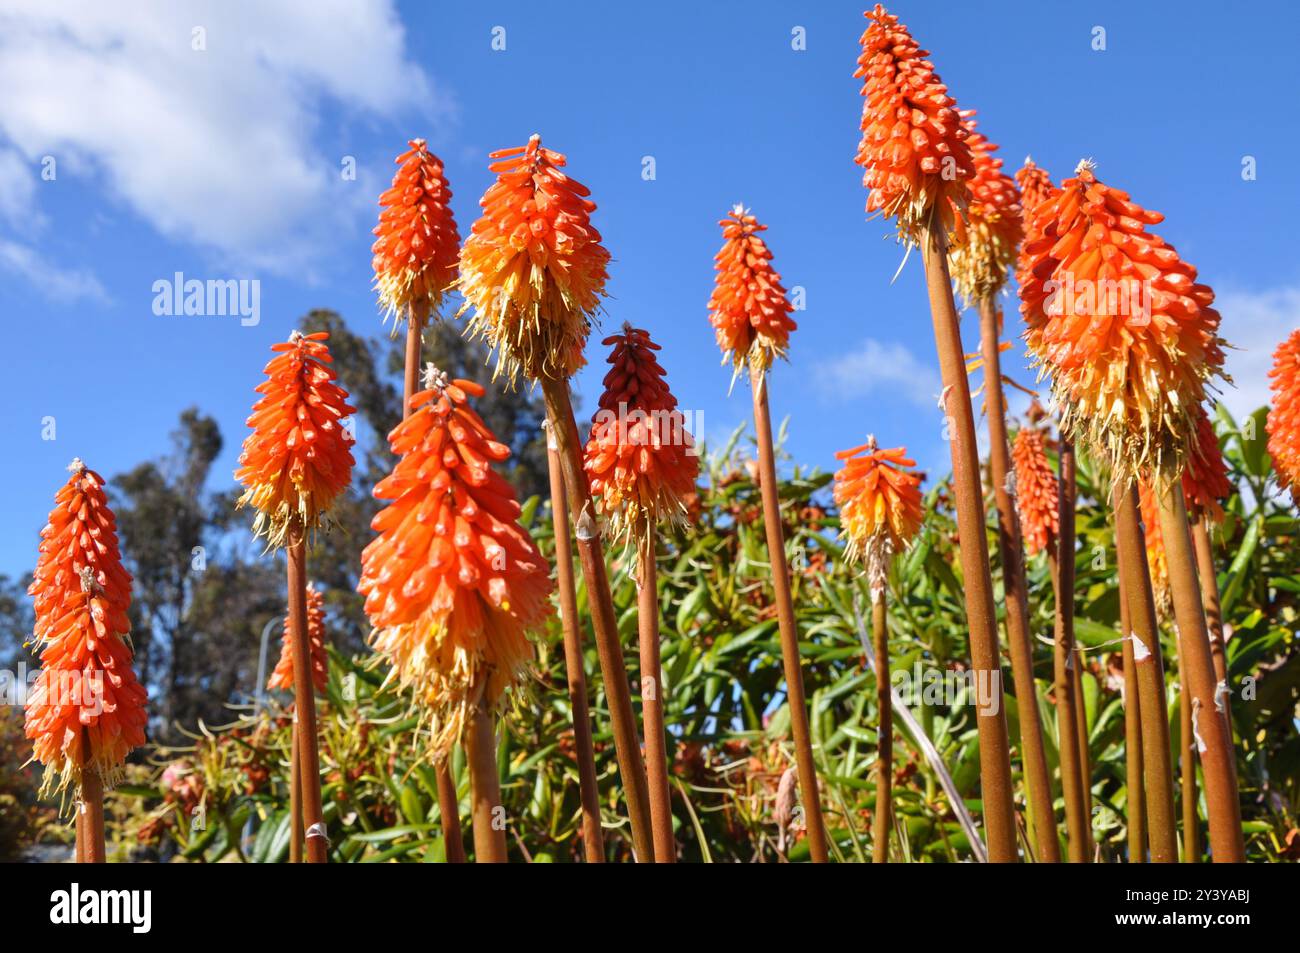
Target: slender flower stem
295,797
884,820
809,791
1042,817
92,827
304,698
1210,727
449,809
1187,765
1210,599
485,789
627,744
1081,738
79,851
593,838
1064,662
1158,787
1135,796
995,756
416,315
652,701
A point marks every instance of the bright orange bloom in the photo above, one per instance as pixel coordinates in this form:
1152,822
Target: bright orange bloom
640,459
298,458
748,309
86,709
282,677
1155,545
1205,478
1118,320
1035,186
980,265
452,583
913,145
1037,492
417,245
1284,414
880,505
533,267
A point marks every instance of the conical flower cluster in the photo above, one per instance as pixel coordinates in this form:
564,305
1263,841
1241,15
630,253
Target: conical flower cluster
1205,478
748,309
298,458
452,583
980,264
1035,186
86,710
282,678
1284,414
1118,320
1155,545
1037,491
913,147
880,505
533,268
416,245
640,458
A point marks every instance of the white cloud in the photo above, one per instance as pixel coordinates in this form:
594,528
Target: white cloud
877,368
1255,323
65,286
217,147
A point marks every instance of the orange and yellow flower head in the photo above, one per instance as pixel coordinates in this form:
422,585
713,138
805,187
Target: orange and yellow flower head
1037,492
913,147
1205,478
533,268
417,245
748,309
1035,186
453,583
880,506
994,228
640,458
1284,414
86,710
1155,546
282,678
298,459
1118,320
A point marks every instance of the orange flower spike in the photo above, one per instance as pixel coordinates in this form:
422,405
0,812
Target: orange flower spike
1035,186
298,458
1155,544
86,709
880,505
913,144
533,267
748,309
1037,491
1205,478
640,458
981,264
453,583
282,677
1284,414
1117,318
417,245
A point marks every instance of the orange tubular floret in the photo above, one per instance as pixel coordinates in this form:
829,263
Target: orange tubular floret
1284,414
748,309
298,458
1155,544
453,583
86,710
1119,321
282,677
981,264
1205,478
880,505
1037,492
913,145
640,458
417,245
1035,186
533,268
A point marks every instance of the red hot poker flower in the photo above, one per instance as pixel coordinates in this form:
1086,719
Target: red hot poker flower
282,677
1205,478
417,244
1037,492
1284,414
86,710
880,505
980,264
1157,563
748,309
298,458
1035,186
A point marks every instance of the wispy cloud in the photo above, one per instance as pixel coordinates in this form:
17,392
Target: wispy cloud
1254,322
876,368
62,285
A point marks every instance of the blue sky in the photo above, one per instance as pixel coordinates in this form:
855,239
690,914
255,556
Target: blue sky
224,161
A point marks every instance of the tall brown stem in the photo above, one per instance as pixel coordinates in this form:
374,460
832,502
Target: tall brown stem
485,789
92,799
1042,817
1135,797
1081,738
449,810
627,744
809,791
652,701
295,799
1209,726
79,850
1210,599
304,698
593,838
884,820
1187,765
995,755
1159,784
1064,662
